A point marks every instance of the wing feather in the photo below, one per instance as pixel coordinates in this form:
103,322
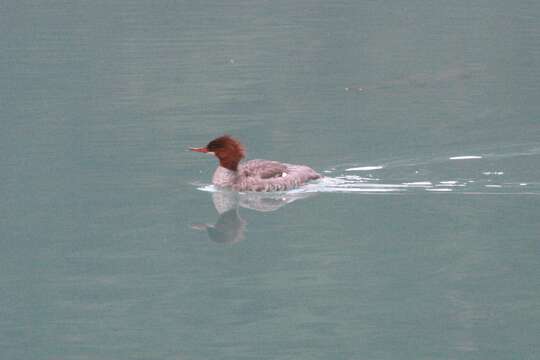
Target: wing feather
266,175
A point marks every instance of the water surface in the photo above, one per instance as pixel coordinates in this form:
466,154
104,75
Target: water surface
421,242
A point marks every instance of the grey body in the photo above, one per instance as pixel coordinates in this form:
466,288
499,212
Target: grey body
264,175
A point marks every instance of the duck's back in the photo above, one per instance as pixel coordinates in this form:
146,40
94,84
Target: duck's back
267,175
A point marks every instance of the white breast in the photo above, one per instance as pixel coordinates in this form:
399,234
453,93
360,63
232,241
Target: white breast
224,177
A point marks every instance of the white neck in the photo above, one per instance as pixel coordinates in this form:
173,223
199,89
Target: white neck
224,177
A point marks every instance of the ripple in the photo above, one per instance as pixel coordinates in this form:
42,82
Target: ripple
365,168
466,157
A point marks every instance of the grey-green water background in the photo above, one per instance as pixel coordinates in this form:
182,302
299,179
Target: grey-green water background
401,253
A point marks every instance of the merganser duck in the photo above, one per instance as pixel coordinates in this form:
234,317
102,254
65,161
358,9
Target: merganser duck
253,175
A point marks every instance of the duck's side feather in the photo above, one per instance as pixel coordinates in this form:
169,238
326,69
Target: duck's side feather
264,175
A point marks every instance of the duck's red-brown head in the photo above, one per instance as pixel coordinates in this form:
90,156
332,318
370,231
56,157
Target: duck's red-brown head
227,149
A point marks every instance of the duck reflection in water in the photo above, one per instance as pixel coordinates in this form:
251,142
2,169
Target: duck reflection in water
230,227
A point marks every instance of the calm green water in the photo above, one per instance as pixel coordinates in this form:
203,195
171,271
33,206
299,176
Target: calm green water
421,243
